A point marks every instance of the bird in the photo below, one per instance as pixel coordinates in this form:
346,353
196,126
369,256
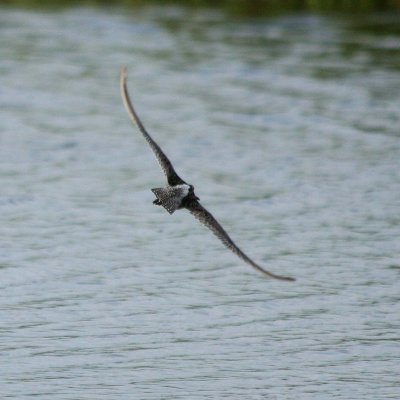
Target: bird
180,195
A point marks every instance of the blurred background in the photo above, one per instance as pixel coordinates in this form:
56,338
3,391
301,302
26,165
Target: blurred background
285,117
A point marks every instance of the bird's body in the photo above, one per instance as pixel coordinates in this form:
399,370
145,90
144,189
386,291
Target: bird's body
178,194
173,198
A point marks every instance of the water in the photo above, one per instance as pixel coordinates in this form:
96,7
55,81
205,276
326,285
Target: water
289,129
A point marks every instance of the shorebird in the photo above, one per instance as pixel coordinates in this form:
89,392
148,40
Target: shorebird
178,194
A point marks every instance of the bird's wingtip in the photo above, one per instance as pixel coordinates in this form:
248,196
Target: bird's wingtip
124,73
282,278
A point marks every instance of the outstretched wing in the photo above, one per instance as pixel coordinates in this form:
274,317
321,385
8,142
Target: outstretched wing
207,219
172,177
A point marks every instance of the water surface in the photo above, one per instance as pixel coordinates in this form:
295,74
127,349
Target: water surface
289,129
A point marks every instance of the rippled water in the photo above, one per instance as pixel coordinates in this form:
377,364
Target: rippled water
289,129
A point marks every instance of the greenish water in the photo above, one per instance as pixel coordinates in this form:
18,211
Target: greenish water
236,7
288,126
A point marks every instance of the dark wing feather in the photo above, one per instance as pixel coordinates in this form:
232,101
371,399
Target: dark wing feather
207,219
172,177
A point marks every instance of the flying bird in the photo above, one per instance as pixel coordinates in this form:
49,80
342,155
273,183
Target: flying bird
178,194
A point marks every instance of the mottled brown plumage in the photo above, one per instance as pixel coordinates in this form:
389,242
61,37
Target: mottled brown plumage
178,194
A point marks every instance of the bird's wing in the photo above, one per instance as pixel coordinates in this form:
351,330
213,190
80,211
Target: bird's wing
172,177
207,219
